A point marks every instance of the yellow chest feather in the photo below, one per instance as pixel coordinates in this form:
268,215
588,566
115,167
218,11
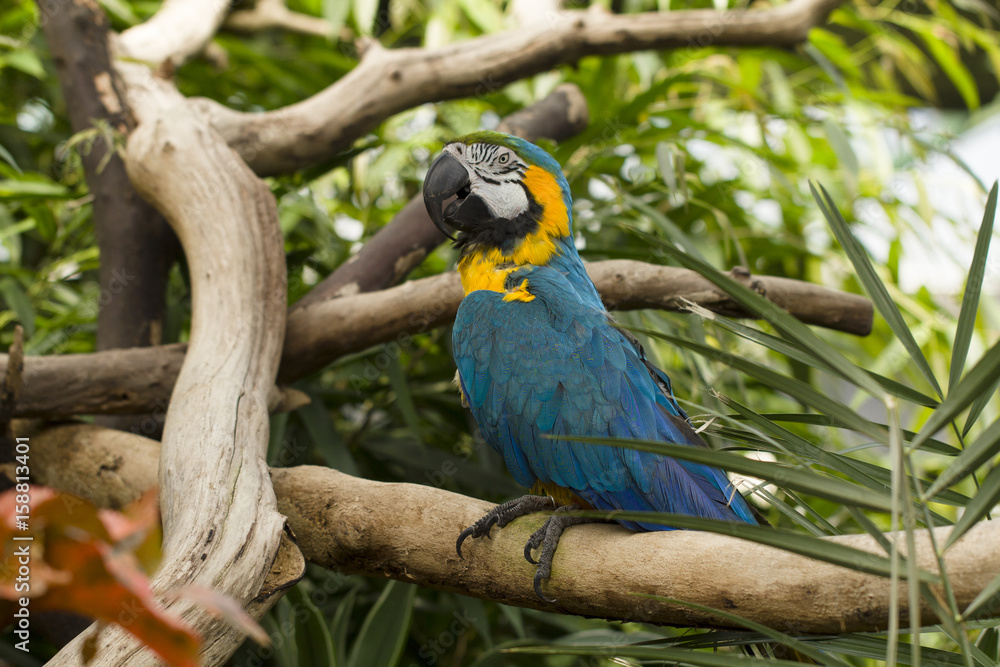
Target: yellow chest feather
488,268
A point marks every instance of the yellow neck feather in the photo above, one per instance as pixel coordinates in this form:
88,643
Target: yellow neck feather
488,268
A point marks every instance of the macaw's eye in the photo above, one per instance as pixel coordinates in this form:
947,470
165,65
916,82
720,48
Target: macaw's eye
503,158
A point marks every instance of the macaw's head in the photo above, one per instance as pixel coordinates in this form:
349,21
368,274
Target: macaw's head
501,194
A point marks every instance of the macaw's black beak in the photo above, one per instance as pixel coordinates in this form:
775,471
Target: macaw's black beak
446,178
449,178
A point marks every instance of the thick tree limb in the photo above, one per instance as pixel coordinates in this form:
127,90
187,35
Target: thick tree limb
393,315
222,528
178,31
390,81
407,532
126,380
136,244
140,380
403,244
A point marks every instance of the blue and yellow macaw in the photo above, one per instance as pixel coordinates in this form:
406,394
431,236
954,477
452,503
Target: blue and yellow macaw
538,355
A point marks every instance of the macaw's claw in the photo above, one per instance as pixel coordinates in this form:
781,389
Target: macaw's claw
547,537
501,515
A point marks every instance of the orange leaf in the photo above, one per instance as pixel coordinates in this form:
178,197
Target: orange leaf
137,528
81,560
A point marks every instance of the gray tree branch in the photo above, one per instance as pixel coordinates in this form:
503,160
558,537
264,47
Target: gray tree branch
215,495
386,82
268,14
178,31
407,532
140,380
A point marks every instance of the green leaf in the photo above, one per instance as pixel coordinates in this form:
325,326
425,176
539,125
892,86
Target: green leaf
948,59
989,643
977,407
314,643
335,12
514,616
930,445
404,397
973,286
794,351
316,418
797,389
9,159
862,472
981,450
284,655
874,647
660,654
803,448
992,590
18,189
365,13
26,61
822,549
805,647
841,144
484,14
982,378
665,160
19,302
876,290
673,232
121,10
788,326
985,499
800,479
383,634
340,625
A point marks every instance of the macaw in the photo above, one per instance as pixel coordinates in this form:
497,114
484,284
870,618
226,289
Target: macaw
538,355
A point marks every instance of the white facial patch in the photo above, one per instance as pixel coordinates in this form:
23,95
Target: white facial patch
495,174
506,200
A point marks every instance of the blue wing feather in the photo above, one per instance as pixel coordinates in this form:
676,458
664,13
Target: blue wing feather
555,366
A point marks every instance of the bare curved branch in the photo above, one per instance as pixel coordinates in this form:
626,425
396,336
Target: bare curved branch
407,532
268,14
390,81
181,29
216,499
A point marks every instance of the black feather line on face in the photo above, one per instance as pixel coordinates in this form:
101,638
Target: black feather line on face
501,233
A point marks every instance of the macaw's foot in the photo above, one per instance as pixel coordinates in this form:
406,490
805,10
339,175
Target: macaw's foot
501,515
547,537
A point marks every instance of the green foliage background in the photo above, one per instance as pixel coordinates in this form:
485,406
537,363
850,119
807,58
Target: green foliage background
712,150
